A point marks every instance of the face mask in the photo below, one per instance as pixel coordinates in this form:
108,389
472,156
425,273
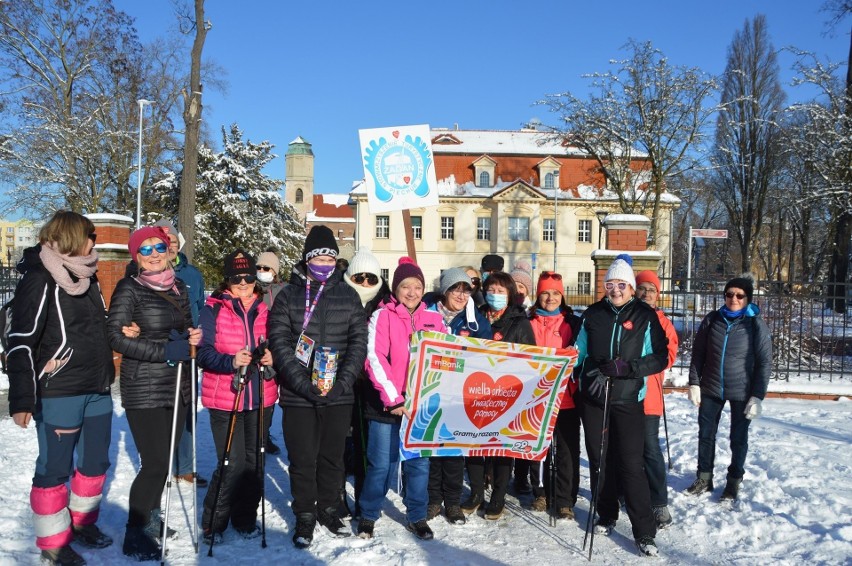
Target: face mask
497,302
320,272
265,276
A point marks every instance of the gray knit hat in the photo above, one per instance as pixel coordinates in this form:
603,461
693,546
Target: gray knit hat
454,276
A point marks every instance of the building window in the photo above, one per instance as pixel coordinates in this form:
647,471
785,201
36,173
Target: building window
385,274
484,179
584,231
10,230
383,227
584,283
300,196
448,228
519,229
417,227
548,233
548,181
483,228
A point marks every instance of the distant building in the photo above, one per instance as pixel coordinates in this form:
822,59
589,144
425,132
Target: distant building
15,237
299,177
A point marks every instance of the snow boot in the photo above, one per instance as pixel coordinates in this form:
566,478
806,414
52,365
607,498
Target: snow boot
91,536
473,503
539,504
421,530
455,515
155,525
732,489
495,510
565,513
305,525
62,556
647,546
212,537
140,545
433,510
662,516
329,519
604,526
702,484
248,531
366,528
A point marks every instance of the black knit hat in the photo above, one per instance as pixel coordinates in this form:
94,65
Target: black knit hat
492,262
744,283
320,241
239,262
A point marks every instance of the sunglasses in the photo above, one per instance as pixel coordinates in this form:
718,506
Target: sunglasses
739,296
237,279
148,250
93,237
551,275
475,281
609,286
264,268
371,278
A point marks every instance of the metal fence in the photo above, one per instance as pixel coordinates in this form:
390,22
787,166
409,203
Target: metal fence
809,341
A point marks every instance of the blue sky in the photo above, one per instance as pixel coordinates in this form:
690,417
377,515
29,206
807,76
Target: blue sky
324,70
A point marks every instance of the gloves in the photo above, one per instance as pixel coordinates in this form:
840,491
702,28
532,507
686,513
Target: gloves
752,408
615,368
335,392
317,397
597,383
695,395
177,348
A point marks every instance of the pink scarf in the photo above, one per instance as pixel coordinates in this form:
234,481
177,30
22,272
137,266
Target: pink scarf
62,266
158,281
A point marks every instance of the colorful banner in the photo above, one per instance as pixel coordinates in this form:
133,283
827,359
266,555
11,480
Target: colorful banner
472,397
399,168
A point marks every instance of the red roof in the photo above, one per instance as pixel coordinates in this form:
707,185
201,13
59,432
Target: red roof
328,210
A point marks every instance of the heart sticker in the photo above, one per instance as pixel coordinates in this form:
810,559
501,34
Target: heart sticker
486,399
395,134
407,179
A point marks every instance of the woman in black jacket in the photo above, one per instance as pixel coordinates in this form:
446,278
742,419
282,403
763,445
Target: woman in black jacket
509,323
60,372
158,304
317,310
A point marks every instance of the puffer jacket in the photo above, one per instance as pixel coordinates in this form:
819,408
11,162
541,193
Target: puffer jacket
469,322
654,391
147,379
226,329
49,323
513,326
732,358
632,333
391,327
338,322
556,332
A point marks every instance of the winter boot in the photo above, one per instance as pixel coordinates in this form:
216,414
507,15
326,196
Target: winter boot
305,525
455,515
604,526
421,530
91,536
155,525
732,489
539,503
366,528
703,483
140,545
494,510
565,513
329,519
662,516
248,531
647,546
433,510
62,556
473,503
209,537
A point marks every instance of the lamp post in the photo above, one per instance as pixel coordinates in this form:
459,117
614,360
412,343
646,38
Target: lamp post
142,102
555,216
601,214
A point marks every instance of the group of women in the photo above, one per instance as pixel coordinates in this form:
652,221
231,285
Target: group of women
327,342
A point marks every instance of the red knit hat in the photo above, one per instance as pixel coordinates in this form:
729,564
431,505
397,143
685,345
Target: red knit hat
648,276
549,281
407,268
142,234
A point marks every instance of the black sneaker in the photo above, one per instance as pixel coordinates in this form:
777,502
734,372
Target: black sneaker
662,516
212,537
455,515
433,510
647,546
700,485
472,504
494,510
305,525
271,448
365,528
604,526
140,545
62,556
91,536
732,490
329,519
421,530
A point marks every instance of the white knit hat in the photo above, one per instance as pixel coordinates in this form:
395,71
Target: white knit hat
364,262
622,269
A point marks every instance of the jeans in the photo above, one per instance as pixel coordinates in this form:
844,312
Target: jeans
655,465
709,413
382,461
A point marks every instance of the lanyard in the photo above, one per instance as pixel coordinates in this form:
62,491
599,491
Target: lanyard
309,312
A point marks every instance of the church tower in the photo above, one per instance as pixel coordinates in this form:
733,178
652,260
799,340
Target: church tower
299,176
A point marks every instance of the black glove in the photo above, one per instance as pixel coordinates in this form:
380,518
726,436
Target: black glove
597,382
616,368
317,397
335,392
259,352
177,348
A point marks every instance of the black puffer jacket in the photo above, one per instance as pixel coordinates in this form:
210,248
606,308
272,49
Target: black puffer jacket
338,321
147,380
732,359
632,333
513,326
49,323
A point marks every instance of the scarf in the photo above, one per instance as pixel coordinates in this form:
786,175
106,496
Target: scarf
366,294
447,313
158,281
71,273
729,314
541,312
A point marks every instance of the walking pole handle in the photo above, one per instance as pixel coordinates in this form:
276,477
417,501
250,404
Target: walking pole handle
192,351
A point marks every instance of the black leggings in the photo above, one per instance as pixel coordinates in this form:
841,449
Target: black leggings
151,430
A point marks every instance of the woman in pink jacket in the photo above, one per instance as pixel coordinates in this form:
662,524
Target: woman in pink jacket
390,330
235,319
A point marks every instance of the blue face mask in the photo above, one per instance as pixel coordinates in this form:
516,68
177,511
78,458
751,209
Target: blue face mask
321,272
497,302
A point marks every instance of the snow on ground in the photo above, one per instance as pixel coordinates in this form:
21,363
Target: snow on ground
795,506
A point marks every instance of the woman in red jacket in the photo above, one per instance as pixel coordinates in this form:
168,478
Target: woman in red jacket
555,326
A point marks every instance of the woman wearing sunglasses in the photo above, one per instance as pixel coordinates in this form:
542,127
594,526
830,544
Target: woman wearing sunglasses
731,361
158,303
233,323
620,343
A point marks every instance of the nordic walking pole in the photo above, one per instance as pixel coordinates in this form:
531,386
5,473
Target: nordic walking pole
261,439
666,426
165,534
593,507
553,473
194,407
239,380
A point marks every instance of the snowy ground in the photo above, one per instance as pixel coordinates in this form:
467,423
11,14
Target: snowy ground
795,508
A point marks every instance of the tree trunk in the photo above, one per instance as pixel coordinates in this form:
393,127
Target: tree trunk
192,122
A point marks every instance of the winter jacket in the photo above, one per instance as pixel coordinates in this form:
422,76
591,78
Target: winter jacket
391,327
654,384
631,333
338,322
187,273
270,291
513,326
226,329
557,332
147,379
49,323
732,359
470,322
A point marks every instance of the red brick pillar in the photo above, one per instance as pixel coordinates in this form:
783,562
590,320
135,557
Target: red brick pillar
625,233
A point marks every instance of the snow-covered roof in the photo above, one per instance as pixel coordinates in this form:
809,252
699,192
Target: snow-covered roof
335,199
503,142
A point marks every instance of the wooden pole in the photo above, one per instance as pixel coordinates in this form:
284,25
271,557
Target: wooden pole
409,234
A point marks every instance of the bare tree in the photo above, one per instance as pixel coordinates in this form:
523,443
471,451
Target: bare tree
746,156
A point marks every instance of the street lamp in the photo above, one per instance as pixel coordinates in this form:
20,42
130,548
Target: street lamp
555,216
142,102
601,214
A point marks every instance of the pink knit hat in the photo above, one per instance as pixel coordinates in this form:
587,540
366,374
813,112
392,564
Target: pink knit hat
142,234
